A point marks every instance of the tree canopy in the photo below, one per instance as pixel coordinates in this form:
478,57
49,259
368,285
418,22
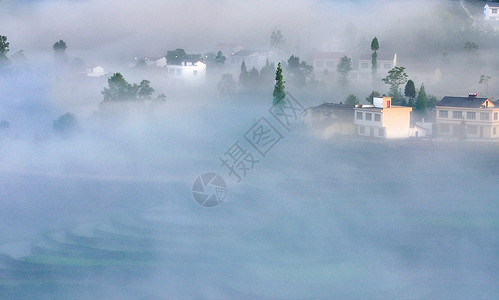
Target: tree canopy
352,100
279,94
60,46
371,96
177,56
120,90
410,91
421,101
276,39
343,68
374,56
395,78
4,48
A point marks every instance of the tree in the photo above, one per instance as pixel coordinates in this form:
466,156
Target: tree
267,74
343,68
60,51
432,102
410,92
244,77
145,90
4,48
470,46
276,39
484,79
374,56
227,86
395,78
253,79
161,98
371,96
176,56
352,100
299,72
279,94
421,101
65,125
220,58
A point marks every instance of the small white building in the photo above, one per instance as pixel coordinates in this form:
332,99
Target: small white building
252,58
96,71
325,63
382,119
187,73
491,11
385,62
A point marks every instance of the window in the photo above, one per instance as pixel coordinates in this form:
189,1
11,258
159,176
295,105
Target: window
443,114
484,116
495,116
471,115
195,72
364,65
362,130
471,130
359,115
457,114
377,118
387,66
319,64
368,116
381,132
494,10
444,128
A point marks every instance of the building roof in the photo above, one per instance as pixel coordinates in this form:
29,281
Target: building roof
244,53
469,102
333,110
330,55
493,4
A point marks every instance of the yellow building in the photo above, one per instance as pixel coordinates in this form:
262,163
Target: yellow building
382,119
470,117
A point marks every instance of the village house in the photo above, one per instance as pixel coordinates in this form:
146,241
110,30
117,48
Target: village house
385,63
187,74
491,11
470,117
96,71
329,119
325,63
382,119
252,58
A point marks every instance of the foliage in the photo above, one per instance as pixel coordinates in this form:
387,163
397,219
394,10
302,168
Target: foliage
279,94
395,78
276,39
119,90
371,96
60,46
299,73
343,68
432,101
177,56
65,125
4,125
160,98
410,92
484,79
374,56
4,48
352,100
244,77
227,86
470,46
421,101
220,58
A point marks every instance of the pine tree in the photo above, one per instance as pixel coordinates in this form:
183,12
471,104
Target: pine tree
374,57
422,101
410,92
243,77
279,93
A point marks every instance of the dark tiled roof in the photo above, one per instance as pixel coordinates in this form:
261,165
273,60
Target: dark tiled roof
493,4
461,102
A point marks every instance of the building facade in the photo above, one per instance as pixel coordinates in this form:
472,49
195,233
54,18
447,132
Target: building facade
491,11
467,117
382,119
187,74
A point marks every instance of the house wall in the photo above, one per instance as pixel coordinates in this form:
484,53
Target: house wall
187,75
475,128
396,121
491,12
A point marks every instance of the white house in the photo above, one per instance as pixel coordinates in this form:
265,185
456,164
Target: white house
96,71
252,58
382,119
385,63
325,63
491,11
187,73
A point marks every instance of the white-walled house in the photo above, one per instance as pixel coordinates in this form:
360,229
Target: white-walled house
187,74
385,63
382,119
252,58
491,11
96,71
325,63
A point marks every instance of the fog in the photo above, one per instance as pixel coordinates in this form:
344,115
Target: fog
106,210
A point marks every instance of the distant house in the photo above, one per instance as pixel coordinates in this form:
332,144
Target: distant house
385,63
96,71
421,129
330,119
326,62
470,117
382,119
491,11
252,58
187,74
